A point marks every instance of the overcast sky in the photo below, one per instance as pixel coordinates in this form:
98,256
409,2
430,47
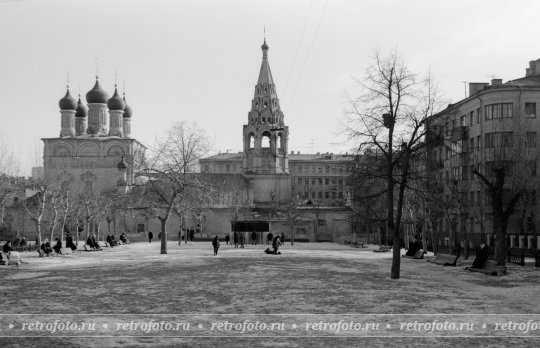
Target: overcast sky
199,60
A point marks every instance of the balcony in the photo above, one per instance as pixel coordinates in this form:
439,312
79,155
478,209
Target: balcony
460,133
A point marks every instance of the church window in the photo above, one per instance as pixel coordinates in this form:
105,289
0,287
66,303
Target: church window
299,181
251,141
326,181
312,181
264,119
265,90
320,181
265,104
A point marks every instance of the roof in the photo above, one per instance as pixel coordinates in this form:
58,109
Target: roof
528,81
292,157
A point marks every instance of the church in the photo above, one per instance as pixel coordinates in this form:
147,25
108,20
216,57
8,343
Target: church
267,189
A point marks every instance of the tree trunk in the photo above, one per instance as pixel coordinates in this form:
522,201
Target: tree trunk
500,242
164,234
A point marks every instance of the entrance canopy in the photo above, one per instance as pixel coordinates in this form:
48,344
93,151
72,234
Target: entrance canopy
250,226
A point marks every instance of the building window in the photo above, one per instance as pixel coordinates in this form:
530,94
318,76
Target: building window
478,142
306,181
340,195
471,118
530,140
478,115
299,169
495,111
326,181
333,194
313,169
327,195
312,181
320,169
299,181
312,194
531,168
530,110
320,181
320,195
327,169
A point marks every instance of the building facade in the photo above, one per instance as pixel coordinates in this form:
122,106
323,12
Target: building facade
496,126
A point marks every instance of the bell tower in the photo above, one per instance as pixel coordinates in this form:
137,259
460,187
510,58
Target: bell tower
265,135
265,158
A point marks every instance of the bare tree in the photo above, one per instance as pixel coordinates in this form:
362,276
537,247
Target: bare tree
173,170
390,116
507,169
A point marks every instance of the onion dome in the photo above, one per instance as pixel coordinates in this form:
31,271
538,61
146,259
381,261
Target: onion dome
97,94
116,102
127,109
82,110
68,102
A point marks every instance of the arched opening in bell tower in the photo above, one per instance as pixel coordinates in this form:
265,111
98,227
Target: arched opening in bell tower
265,143
251,141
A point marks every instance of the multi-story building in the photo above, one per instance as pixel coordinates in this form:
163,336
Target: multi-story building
269,181
496,125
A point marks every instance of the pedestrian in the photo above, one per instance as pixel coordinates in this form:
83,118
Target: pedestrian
227,239
215,244
235,239
275,244
242,240
150,236
269,238
254,238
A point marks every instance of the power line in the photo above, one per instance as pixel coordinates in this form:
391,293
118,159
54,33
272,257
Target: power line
308,54
298,46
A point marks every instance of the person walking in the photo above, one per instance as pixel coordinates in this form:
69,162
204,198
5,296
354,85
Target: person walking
215,244
242,240
227,239
150,236
254,238
235,239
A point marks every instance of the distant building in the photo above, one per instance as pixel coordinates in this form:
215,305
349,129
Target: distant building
267,185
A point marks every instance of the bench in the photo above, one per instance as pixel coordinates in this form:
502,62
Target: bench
447,260
417,256
491,268
66,251
383,249
13,259
88,248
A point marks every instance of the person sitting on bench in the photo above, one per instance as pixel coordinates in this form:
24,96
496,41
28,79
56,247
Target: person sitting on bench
414,246
110,240
7,248
123,238
58,246
23,242
481,256
69,242
95,244
46,247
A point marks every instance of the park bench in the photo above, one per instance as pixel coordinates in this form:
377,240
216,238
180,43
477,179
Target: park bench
417,256
383,249
447,260
88,248
13,259
490,268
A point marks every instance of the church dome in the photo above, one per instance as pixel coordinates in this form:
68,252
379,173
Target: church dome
97,94
82,110
116,102
68,102
127,109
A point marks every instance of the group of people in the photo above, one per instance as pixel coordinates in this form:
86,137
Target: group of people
414,246
238,238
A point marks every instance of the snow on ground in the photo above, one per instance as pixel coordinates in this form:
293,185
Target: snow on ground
313,279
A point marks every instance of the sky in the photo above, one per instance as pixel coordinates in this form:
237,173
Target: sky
198,60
